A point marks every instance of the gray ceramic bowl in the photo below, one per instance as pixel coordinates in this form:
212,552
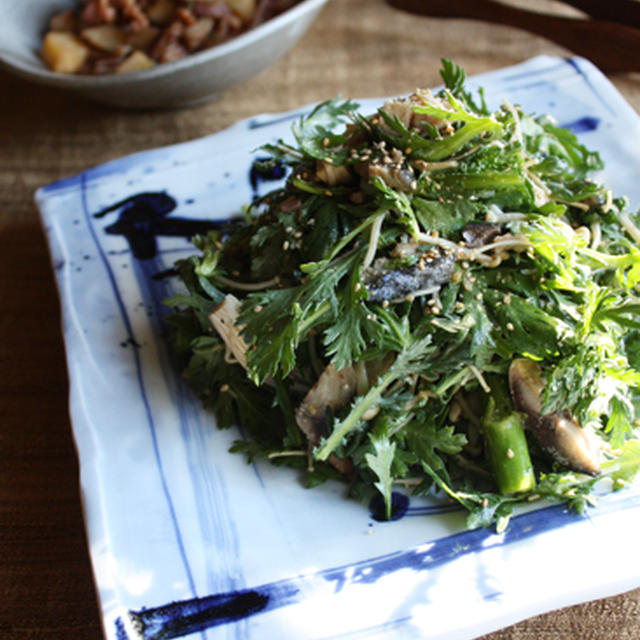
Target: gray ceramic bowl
191,80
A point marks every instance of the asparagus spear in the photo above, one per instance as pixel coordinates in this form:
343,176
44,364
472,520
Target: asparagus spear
506,443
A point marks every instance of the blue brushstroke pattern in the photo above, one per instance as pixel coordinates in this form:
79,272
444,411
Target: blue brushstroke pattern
143,394
181,618
189,616
121,632
575,64
582,125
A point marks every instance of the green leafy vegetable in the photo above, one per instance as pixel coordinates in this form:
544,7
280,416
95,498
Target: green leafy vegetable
361,320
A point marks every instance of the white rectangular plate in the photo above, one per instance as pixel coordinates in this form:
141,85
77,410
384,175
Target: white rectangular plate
189,540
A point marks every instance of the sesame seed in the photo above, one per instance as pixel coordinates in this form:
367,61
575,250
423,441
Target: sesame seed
385,304
408,150
357,287
510,326
325,142
217,244
510,453
257,308
224,388
285,245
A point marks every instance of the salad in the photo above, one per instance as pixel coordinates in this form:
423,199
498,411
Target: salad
439,298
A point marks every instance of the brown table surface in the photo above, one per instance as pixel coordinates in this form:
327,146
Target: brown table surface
358,48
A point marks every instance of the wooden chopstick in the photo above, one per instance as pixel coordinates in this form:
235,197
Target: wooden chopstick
611,46
622,11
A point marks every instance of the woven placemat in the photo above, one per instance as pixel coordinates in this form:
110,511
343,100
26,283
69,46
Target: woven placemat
357,48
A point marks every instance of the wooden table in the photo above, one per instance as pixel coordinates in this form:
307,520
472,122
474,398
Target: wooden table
357,48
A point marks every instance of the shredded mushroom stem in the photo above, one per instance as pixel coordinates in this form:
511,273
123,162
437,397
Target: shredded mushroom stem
517,132
247,286
514,242
373,241
495,214
596,236
282,454
423,165
448,245
223,319
629,226
481,381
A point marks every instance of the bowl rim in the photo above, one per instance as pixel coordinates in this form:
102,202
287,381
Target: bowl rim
199,58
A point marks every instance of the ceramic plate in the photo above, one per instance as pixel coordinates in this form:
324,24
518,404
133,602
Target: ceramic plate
187,539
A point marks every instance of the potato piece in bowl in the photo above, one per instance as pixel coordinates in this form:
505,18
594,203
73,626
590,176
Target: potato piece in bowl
106,37
144,38
63,52
161,11
245,9
196,33
135,62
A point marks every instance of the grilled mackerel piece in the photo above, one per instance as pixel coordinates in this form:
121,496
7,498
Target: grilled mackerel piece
433,269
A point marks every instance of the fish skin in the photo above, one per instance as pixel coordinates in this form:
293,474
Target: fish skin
395,284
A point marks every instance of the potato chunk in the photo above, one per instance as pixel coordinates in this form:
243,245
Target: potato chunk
135,62
106,37
161,11
196,34
245,9
144,38
63,52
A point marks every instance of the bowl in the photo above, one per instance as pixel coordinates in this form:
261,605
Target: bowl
192,80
